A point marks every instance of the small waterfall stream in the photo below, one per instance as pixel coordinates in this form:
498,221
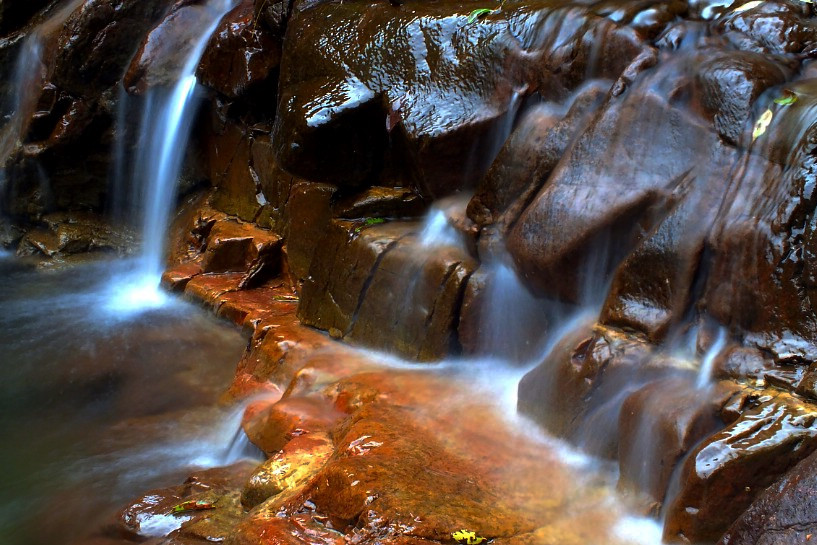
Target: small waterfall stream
30,73
166,121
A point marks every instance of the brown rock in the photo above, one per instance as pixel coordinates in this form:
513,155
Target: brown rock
339,275
240,247
241,56
381,202
237,191
579,390
288,470
152,515
176,278
350,118
97,42
730,83
726,472
783,514
659,424
775,27
272,429
528,157
309,212
606,191
165,49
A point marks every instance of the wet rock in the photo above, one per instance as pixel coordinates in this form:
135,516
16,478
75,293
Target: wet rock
309,212
209,288
381,202
469,329
579,390
384,266
98,41
68,233
659,424
724,474
528,157
783,513
775,27
242,247
730,83
757,270
298,461
274,183
176,278
231,171
347,116
262,528
153,514
241,57
272,429
606,191
339,275
647,18
164,50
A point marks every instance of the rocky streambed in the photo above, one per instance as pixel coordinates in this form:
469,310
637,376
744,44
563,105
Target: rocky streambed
613,198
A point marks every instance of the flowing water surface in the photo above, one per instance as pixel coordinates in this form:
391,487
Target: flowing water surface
96,404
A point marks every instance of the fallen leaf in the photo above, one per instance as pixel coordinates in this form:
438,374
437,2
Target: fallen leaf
197,505
787,98
478,14
747,6
762,124
467,538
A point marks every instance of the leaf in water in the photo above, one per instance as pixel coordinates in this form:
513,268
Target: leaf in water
478,14
747,6
465,537
374,221
197,505
787,98
762,124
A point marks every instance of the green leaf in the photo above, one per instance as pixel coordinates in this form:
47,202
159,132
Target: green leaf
198,505
787,99
478,14
374,221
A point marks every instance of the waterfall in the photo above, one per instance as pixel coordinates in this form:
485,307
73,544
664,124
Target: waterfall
166,122
708,360
30,73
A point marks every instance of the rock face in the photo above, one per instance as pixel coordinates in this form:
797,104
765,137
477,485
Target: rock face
54,152
784,513
360,112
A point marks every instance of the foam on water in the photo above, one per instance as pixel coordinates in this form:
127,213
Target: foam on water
437,231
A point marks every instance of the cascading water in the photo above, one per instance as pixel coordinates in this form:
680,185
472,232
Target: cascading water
29,75
708,360
167,119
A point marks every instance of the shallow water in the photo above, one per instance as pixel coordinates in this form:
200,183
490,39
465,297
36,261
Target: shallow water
97,405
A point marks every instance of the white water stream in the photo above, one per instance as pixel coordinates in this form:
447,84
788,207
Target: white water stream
166,121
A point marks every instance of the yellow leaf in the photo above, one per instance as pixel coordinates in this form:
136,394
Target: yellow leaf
467,538
747,6
762,124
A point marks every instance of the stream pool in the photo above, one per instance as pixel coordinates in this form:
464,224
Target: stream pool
98,404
